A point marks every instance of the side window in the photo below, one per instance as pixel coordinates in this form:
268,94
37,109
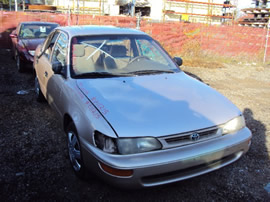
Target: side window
60,50
48,46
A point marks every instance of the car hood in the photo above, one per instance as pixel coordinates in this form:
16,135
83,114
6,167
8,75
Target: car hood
31,44
157,105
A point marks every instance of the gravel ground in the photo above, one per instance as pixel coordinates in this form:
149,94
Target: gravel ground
34,160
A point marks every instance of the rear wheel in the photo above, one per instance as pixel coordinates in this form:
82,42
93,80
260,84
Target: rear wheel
74,151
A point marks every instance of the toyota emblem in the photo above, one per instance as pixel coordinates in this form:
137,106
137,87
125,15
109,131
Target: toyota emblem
194,136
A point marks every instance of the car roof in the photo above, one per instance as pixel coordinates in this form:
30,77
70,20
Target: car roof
38,22
99,30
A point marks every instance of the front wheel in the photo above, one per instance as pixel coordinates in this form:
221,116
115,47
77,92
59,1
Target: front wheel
74,151
19,63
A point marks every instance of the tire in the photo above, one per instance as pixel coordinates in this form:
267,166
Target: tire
13,56
74,151
39,96
19,63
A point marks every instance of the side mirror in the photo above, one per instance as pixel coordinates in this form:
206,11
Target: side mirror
178,61
57,67
41,51
13,36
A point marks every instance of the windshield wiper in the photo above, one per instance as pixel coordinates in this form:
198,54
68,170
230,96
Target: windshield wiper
142,72
99,75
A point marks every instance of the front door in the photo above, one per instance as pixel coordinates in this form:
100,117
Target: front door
55,82
43,64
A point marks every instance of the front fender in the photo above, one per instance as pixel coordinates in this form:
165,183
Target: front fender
83,113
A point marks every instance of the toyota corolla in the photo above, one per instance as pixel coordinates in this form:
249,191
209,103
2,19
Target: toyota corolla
130,114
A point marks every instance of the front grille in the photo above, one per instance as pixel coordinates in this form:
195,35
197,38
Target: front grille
190,137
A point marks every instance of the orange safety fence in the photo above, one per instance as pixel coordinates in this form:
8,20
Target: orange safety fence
178,38
223,40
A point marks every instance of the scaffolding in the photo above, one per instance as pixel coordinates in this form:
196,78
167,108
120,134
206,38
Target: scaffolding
261,3
207,11
257,16
95,7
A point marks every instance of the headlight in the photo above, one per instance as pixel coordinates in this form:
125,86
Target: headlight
137,145
105,143
125,145
234,125
32,52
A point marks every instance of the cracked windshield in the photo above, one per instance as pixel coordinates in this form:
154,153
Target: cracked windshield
114,55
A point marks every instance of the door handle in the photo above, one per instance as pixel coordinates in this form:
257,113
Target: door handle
46,74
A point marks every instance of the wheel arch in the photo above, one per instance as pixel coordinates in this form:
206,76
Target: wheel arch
67,120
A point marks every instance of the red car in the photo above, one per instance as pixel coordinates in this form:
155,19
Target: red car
25,38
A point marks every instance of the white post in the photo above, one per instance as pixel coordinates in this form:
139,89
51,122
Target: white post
23,5
133,8
266,41
68,12
16,6
83,6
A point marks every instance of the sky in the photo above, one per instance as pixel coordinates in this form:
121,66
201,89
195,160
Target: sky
244,4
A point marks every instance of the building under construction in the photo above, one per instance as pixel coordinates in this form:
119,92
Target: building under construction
198,11
258,15
203,11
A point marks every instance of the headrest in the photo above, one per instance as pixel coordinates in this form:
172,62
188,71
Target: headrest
78,50
28,33
119,51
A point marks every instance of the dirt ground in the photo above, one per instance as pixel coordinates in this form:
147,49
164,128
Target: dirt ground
34,160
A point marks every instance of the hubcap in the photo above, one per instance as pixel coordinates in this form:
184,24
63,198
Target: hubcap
74,151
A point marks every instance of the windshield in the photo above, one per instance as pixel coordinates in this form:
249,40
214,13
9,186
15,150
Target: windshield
29,31
121,54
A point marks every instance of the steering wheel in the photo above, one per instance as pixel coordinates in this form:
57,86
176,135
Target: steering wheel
139,57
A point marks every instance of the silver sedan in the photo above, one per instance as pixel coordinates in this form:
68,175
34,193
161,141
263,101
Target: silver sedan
130,115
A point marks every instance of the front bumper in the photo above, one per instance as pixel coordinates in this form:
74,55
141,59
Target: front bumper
170,165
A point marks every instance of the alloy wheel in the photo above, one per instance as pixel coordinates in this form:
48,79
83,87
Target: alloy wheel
74,151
